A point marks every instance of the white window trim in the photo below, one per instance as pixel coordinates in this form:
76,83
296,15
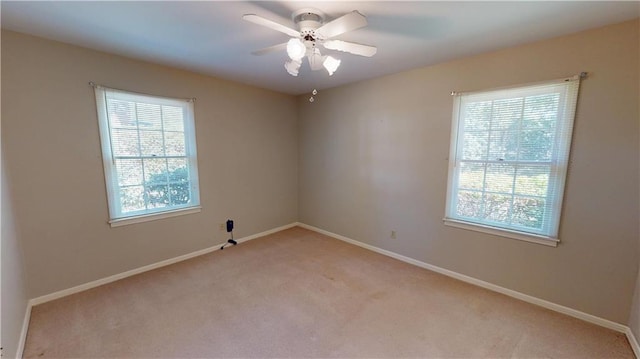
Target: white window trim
116,218
502,232
153,216
563,157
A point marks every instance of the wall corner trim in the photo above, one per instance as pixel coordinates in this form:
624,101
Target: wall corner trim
493,287
23,334
633,341
96,283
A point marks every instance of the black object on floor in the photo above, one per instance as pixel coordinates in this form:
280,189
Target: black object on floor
230,230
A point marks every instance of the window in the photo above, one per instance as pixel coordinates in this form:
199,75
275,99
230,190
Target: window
508,160
149,155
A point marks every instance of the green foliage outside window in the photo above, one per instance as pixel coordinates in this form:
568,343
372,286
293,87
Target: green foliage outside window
160,193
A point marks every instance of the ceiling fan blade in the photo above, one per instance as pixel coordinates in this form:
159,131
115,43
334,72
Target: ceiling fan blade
350,47
271,24
351,21
270,49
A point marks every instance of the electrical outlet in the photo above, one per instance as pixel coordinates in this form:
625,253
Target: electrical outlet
221,227
393,234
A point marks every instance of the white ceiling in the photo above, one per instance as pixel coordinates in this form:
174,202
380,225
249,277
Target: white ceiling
210,37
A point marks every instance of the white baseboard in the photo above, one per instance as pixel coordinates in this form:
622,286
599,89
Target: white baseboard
23,334
524,297
496,288
115,277
633,341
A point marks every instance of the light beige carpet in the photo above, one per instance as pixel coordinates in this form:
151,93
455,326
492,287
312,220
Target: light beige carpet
301,294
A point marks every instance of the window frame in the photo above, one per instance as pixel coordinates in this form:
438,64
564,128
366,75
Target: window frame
558,165
116,216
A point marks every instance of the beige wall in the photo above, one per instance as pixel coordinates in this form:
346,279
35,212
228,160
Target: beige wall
14,284
247,161
13,291
373,158
634,317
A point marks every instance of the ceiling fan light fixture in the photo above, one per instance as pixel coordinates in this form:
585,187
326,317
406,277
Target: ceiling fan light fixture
331,64
296,49
293,66
311,32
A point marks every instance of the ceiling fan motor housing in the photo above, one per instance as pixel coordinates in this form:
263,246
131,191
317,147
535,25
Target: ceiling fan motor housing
308,20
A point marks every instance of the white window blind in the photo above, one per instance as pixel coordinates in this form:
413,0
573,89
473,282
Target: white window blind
149,153
509,155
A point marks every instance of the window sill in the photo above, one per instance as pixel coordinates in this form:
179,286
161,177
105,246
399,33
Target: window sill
527,237
153,216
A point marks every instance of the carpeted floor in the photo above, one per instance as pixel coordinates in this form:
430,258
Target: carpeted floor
299,294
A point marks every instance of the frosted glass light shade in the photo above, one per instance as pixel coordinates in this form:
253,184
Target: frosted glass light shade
331,64
293,67
296,49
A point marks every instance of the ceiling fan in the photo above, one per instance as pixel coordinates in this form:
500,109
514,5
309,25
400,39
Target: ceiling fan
312,32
